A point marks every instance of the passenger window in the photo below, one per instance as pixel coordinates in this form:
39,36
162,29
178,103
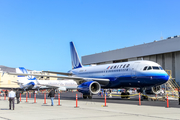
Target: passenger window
155,67
161,68
114,67
111,67
149,68
145,68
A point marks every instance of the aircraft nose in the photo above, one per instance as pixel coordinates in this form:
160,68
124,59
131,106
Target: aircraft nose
161,78
164,77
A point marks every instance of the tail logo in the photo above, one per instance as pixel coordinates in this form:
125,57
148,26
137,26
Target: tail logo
23,70
74,56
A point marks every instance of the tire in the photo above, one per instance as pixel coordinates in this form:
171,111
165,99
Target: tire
90,96
122,95
127,95
84,96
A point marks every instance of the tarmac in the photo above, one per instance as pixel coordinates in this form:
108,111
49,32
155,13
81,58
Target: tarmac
86,110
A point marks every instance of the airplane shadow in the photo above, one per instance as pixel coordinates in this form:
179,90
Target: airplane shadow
4,109
45,105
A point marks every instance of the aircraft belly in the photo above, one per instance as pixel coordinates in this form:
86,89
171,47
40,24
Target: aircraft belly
144,81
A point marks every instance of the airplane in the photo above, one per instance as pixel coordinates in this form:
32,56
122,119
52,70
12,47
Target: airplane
90,79
31,82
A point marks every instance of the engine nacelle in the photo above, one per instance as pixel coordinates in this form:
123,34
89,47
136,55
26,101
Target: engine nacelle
62,88
36,87
156,89
90,87
30,85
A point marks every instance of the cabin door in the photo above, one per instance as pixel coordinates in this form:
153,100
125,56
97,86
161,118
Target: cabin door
134,70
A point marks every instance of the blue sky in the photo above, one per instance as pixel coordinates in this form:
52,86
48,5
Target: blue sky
35,34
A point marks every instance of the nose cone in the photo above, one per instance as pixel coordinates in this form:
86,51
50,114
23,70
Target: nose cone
159,78
166,77
163,78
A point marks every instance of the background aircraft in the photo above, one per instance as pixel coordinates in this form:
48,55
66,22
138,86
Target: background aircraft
31,83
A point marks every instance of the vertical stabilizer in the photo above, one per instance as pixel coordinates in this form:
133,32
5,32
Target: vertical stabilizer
20,77
74,57
23,70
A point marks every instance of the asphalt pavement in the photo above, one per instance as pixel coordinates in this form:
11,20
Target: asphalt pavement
89,109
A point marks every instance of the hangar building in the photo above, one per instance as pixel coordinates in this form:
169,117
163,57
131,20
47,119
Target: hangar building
165,52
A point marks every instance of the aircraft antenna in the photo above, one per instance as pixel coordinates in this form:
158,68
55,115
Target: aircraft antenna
161,36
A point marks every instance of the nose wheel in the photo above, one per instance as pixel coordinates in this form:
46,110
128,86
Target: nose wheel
144,96
125,95
87,96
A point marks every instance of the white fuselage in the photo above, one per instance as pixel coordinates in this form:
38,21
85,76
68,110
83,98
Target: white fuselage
126,74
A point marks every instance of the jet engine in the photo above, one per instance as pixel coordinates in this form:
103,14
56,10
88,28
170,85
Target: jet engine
62,88
156,89
29,85
89,88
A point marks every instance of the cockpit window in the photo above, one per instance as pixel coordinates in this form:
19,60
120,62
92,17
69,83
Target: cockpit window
145,68
155,67
149,68
161,68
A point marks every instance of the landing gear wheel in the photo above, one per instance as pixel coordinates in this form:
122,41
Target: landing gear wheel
90,96
142,98
123,95
128,95
84,96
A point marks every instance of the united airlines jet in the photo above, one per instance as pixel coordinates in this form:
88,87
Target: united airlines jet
134,74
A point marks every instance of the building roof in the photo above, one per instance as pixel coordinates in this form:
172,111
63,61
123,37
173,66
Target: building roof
153,48
7,69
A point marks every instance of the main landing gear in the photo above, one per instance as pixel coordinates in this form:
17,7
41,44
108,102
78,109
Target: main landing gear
144,96
87,96
125,95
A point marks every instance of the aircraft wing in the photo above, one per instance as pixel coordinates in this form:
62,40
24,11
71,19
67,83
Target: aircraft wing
55,87
16,82
77,79
51,86
61,73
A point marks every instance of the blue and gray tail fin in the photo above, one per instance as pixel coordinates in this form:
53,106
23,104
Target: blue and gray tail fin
23,70
74,57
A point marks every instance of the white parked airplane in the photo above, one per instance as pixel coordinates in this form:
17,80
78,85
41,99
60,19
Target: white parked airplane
90,80
31,83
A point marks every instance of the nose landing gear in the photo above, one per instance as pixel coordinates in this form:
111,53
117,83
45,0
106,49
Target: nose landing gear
125,94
